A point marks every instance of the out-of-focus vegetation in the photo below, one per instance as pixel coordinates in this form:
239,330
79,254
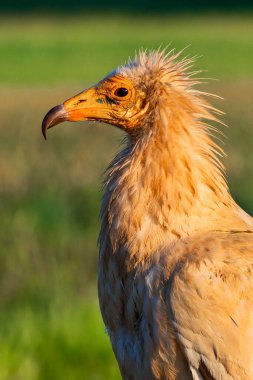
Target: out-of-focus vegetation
50,326
79,49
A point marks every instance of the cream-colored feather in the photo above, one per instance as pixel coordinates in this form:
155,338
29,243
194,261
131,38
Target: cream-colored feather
176,251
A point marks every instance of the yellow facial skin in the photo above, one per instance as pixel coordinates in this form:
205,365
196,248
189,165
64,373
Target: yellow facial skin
114,101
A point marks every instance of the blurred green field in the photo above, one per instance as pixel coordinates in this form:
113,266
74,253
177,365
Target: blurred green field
46,50
50,191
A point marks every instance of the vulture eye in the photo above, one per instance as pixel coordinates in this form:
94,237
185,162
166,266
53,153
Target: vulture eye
121,92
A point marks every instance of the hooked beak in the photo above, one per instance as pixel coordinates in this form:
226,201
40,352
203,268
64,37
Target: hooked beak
55,116
85,106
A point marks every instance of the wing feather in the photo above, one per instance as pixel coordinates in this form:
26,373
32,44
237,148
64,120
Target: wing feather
204,372
210,298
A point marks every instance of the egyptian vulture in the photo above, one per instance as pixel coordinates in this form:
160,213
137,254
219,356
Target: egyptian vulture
175,274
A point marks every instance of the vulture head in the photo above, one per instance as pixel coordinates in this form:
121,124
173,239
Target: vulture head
132,96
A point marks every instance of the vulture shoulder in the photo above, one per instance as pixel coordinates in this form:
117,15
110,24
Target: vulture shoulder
210,300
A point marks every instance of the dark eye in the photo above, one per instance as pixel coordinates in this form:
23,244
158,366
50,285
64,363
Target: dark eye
121,92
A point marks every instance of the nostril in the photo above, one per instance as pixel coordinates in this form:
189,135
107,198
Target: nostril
80,101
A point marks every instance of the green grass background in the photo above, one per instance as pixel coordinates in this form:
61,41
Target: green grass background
50,326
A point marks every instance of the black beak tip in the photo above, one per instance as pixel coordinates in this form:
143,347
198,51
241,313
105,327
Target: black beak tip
44,131
55,116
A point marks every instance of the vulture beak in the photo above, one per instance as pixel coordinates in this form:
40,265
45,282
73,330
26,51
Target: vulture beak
85,106
55,116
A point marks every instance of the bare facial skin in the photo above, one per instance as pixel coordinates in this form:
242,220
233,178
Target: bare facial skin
114,100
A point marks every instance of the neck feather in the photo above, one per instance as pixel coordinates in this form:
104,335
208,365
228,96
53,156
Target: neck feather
165,184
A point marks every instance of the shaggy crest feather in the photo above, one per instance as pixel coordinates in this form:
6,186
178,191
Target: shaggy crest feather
161,66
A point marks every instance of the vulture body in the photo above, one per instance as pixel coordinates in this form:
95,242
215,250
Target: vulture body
176,251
